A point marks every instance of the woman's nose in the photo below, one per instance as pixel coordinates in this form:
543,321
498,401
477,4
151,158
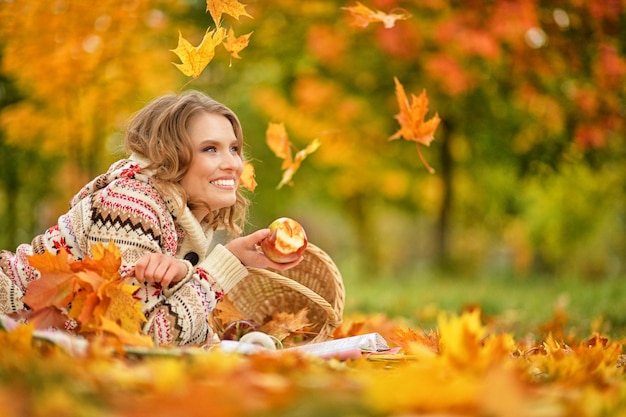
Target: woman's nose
230,161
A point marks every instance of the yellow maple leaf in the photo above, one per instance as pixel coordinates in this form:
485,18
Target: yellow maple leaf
413,126
234,44
283,325
363,16
194,59
231,7
278,142
105,260
300,156
122,308
225,312
247,177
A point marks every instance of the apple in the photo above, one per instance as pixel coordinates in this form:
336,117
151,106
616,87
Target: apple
237,329
287,241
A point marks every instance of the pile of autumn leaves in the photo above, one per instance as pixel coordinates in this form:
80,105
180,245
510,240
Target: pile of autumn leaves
464,367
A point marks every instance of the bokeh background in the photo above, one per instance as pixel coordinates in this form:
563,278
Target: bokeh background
529,189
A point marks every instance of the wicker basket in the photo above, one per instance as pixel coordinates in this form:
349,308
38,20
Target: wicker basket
315,284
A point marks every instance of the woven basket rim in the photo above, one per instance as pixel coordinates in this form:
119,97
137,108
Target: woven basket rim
325,274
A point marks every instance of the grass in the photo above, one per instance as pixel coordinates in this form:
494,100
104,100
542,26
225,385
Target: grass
514,305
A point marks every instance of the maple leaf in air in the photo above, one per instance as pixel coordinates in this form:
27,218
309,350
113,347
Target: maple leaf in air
362,16
234,44
194,59
278,142
413,126
231,7
247,177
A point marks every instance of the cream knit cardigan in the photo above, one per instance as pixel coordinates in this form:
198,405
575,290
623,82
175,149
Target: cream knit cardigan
123,205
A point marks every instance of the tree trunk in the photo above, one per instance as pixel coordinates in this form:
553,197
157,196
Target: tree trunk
442,234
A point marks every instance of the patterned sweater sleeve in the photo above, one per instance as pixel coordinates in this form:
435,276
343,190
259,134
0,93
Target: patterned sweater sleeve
184,316
135,217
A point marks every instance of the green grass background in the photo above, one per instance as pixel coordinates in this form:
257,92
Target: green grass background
521,306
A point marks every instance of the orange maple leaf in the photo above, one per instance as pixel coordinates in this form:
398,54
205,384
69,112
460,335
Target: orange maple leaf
57,284
234,44
92,291
407,339
194,59
105,260
225,312
283,325
363,16
300,156
231,7
247,177
411,118
278,142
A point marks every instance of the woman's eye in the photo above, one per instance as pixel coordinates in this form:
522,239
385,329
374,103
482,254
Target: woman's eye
209,149
234,149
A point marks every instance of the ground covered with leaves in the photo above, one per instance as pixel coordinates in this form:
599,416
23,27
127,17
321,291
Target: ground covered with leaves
462,367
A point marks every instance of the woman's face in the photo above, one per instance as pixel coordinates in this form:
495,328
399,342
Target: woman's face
213,176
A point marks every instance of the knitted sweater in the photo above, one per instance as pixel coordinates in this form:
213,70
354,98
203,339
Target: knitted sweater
124,206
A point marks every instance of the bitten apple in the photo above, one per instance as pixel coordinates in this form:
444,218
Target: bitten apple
287,241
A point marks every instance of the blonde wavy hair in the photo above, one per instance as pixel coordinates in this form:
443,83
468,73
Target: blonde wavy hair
159,134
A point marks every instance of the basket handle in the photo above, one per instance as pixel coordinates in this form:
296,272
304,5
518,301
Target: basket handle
302,289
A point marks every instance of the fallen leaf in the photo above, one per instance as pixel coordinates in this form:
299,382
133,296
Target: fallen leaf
407,339
92,291
283,325
56,285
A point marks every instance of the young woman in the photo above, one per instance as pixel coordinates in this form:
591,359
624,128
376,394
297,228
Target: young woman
161,207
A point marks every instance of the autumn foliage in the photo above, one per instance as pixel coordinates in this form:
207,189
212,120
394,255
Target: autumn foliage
90,292
524,91
464,367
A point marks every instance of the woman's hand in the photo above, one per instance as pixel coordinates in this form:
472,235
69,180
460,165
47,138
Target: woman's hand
246,248
160,268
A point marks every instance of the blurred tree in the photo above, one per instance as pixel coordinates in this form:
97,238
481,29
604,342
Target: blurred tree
525,89
531,96
81,69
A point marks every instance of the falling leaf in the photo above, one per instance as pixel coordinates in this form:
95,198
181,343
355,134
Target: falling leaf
362,16
300,156
194,59
231,7
247,177
413,127
234,44
278,142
